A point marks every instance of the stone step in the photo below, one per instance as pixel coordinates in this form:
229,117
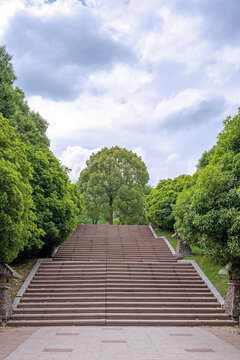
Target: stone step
124,266
103,292
111,304
133,322
117,282
110,285
104,264
120,316
164,266
111,309
114,298
115,264
131,279
162,272
116,252
147,291
113,250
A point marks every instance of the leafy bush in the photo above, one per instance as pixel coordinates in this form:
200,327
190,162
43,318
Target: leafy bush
159,203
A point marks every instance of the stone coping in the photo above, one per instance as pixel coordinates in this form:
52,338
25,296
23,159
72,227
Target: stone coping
153,232
24,286
164,238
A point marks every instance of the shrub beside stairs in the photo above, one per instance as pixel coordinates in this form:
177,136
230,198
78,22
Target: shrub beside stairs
117,275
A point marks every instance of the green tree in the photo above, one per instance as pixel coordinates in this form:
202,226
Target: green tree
159,203
76,197
30,126
209,212
7,78
55,202
205,158
113,183
17,218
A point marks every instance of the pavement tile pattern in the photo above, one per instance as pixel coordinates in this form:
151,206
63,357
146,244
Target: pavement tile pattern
129,343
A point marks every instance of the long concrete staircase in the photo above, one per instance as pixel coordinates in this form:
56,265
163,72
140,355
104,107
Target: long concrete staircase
117,275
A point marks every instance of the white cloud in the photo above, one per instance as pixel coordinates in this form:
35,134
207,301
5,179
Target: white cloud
127,103
172,157
116,80
8,8
226,61
75,157
177,102
87,113
175,39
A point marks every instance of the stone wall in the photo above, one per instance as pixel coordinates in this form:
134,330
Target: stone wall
183,250
5,302
232,301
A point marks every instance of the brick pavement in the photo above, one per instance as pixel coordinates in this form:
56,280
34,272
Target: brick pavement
12,338
120,343
228,334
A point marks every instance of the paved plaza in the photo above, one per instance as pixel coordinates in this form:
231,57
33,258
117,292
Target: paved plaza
119,343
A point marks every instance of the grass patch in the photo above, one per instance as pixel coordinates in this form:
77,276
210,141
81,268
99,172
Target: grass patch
210,270
22,268
167,234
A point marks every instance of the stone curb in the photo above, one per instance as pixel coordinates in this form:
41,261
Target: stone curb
153,232
195,265
24,286
164,238
169,245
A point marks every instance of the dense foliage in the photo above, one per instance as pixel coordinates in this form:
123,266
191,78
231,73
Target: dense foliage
159,203
31,127
51,202
17,218
56,207
205,158
113,183
209,211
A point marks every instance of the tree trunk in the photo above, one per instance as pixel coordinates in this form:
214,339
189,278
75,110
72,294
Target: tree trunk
111,211
232,300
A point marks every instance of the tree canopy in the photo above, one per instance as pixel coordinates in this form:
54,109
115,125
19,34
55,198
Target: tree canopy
17,217
30,126
50,202
113,183
159,203
54,202
205,158
209,211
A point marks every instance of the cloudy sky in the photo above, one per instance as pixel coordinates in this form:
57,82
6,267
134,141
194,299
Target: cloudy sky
157,77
